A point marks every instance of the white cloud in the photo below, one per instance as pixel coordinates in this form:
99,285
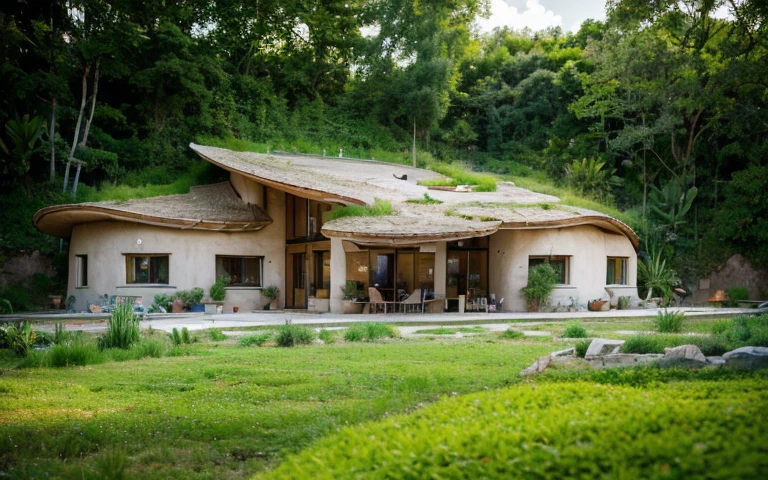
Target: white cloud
535,17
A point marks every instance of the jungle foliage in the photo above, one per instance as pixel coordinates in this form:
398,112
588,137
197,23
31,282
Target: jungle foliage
660,110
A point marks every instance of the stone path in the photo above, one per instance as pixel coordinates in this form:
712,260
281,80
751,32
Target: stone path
199,321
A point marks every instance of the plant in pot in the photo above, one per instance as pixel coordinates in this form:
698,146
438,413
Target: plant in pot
351,295
271,293
218,291
542,279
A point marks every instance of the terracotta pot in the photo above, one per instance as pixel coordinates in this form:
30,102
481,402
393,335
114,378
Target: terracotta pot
235,309
534,305
596,305
56,301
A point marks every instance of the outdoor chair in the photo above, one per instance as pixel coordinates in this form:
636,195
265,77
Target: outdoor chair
376,302
414,302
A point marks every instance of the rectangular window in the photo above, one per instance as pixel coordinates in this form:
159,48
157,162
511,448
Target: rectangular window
617,271
561,264
146,269
81,269
241,271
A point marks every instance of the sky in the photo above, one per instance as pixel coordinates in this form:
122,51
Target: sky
540,14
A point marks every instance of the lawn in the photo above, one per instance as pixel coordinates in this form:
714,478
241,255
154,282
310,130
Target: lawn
218,409
225,411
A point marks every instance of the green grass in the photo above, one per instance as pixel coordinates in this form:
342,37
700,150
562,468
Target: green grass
368,332
195,175
378,209
565,429
451,331
222,411
459,175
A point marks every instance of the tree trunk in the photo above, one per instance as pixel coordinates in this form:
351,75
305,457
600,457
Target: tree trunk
413,148
51,133
93,104
77,125
77,177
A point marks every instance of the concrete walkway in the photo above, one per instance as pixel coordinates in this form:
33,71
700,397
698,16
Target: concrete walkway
198,321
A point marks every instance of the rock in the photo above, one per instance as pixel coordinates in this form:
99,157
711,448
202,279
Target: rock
538,366
568,352
716,360
747,357
619,360
602,346
688,352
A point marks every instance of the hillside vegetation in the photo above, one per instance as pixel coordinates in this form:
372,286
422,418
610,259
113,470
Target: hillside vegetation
657,115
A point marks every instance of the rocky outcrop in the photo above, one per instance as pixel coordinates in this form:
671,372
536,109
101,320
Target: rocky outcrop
603,346
747,358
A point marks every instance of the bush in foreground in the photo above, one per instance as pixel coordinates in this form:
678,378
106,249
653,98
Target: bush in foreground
290,335
257,340
558,430
575,330
368,332
122,328
669,322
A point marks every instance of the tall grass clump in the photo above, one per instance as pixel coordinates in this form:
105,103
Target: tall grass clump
575,330
458,175
76,353
745,330
327,336
582,347
257,340
216,335
122,328
290,335
669,322
378,209
512,334
368,332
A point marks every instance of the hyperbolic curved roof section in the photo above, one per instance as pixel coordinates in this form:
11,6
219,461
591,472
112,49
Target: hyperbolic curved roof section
207,207
402,230
520,217
282,174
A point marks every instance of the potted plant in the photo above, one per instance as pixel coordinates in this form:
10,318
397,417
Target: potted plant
597,305
542,279
217,290
271,293
351,295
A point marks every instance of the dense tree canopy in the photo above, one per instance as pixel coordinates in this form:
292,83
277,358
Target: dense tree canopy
661,109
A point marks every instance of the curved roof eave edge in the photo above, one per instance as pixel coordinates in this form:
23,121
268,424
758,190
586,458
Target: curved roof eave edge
108,214
294,189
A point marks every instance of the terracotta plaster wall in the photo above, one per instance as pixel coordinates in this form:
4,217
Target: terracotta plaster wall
588,248
192,258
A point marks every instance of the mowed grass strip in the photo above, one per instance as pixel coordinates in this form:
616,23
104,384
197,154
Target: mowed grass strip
224,411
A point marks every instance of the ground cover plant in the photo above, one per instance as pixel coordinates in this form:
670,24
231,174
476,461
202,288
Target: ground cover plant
563,429
368,332
575,330
669,322
223,411
290,335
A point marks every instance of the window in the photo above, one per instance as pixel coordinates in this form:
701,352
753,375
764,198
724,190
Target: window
617,271
241,271
81,269
146,269
561,264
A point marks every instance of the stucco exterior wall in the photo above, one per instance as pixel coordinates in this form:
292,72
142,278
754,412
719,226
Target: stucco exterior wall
192,258
588,248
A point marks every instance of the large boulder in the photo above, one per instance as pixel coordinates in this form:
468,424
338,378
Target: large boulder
602,346
747,357
687,352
